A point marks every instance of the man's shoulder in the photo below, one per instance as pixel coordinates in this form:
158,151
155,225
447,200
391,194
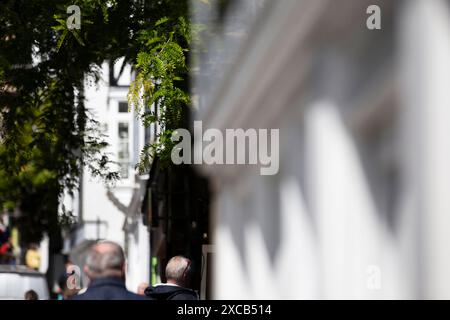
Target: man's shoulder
170,292
134,296
184,294
79,296
124,296
107,294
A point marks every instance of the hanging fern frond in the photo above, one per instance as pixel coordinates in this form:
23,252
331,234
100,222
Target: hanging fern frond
161,80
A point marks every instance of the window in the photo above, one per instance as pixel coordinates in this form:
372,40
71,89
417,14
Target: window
123,107
123,154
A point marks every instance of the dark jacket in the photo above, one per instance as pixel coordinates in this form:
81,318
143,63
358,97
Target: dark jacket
108,288
170,292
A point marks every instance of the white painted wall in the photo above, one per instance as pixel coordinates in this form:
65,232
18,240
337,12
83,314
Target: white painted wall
103,100
359,208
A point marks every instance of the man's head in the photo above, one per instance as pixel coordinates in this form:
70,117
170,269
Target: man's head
105,259
31,295
178,271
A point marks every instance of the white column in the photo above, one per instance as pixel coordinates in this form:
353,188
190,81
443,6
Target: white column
349,230
424,36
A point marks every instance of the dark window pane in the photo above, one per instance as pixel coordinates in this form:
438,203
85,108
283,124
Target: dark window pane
123,107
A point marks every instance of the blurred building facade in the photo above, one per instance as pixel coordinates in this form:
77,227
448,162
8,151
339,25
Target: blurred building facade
113,212
360,207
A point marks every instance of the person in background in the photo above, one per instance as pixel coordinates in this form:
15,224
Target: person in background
7,253
6,247
178,275
31,295
105,268
4,231
33,257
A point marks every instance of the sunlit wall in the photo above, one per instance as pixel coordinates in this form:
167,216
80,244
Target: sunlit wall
360,207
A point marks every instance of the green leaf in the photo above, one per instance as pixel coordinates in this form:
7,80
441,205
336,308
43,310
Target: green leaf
161,21
61,40
77,36
57,28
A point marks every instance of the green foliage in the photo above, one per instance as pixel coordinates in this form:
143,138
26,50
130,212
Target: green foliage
162,82
47,135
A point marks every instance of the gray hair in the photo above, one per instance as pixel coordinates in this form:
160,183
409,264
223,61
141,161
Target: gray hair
105,258
179,270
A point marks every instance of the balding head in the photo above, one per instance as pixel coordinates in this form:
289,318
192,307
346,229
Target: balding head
105,259
178,271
